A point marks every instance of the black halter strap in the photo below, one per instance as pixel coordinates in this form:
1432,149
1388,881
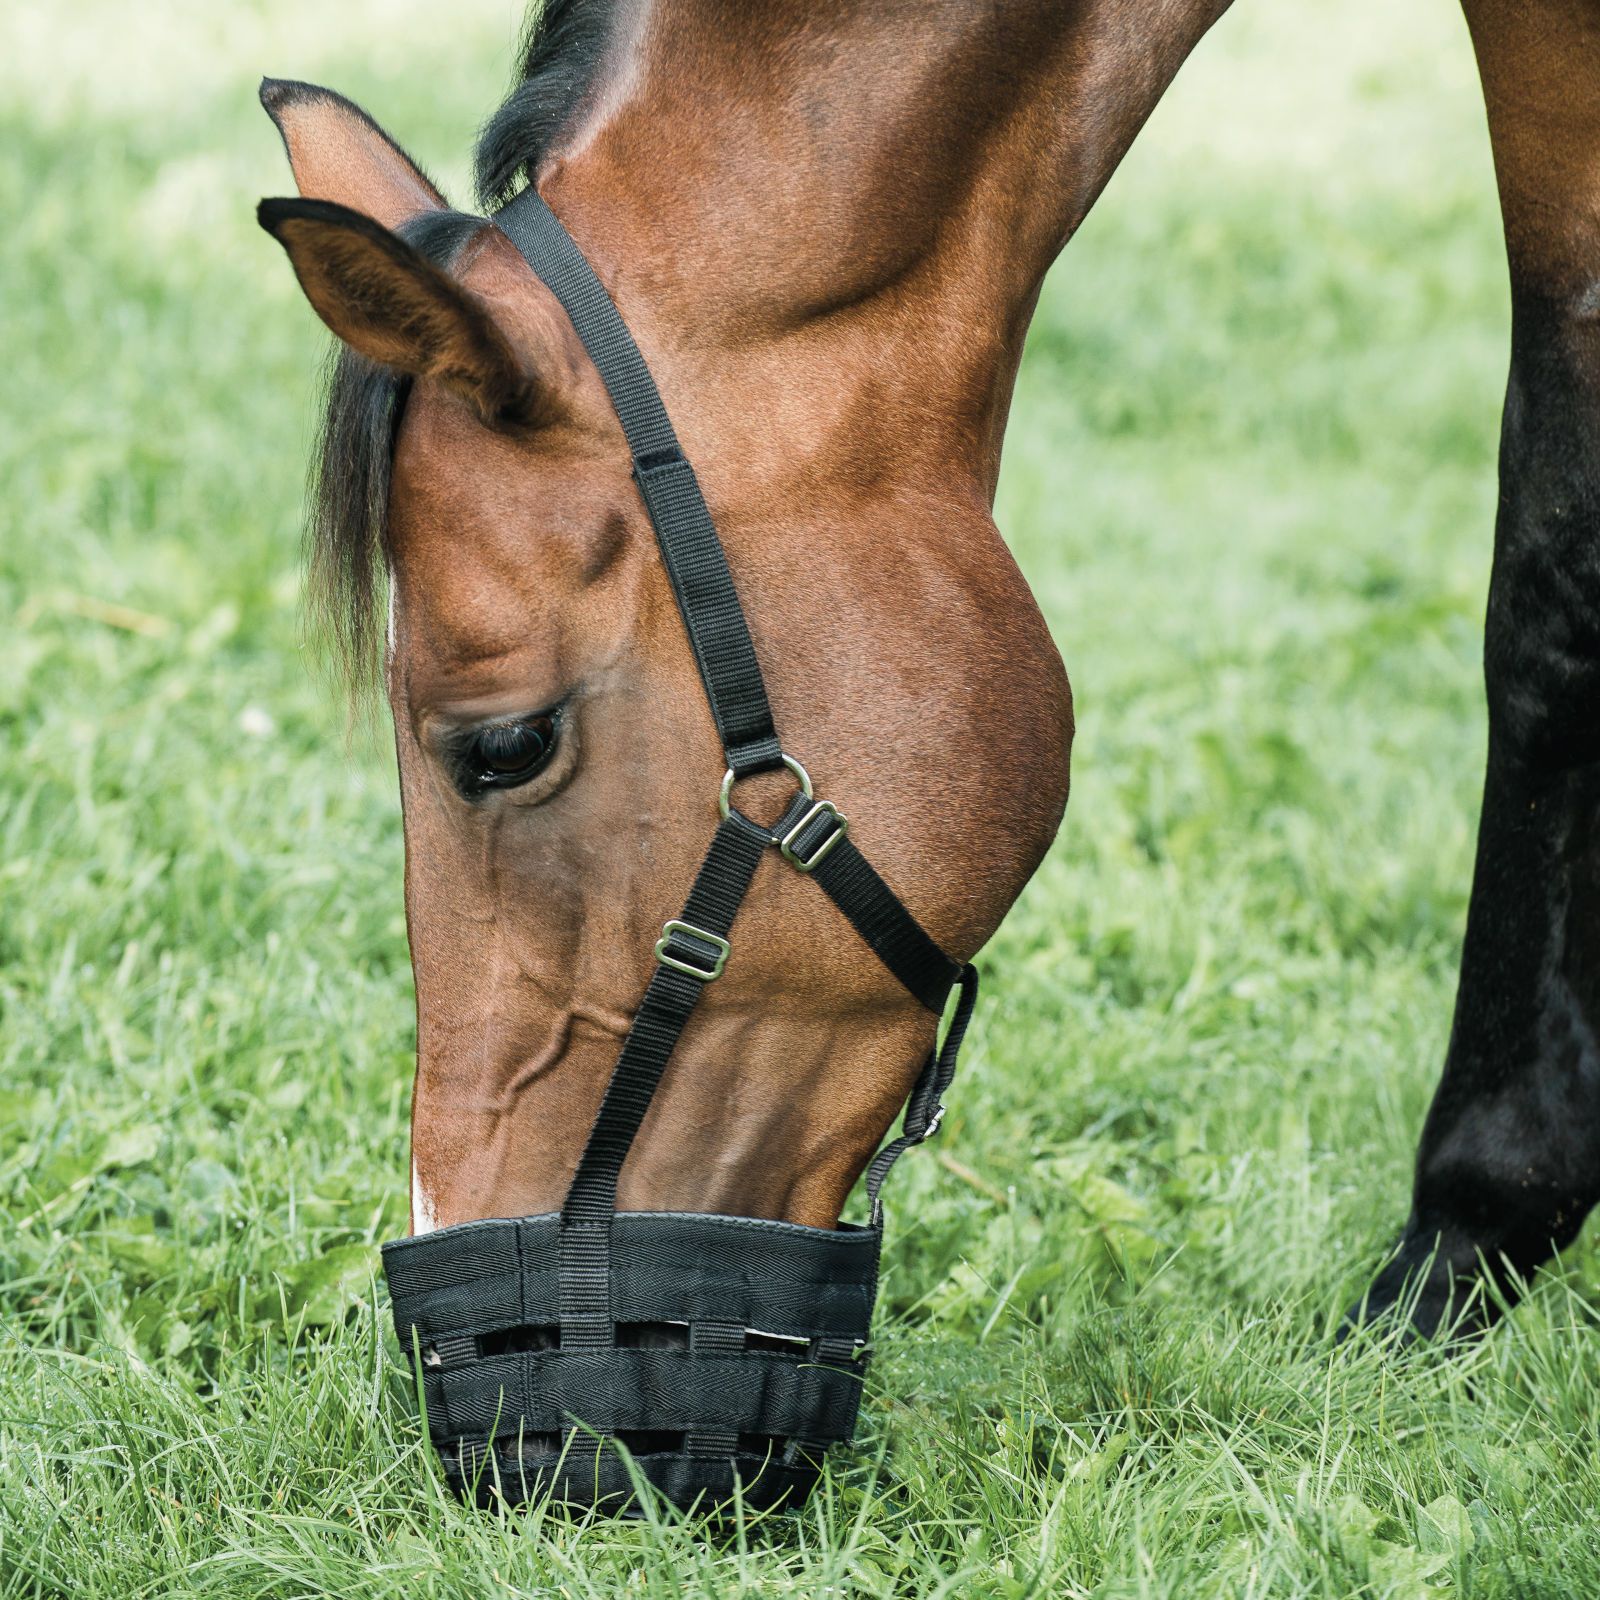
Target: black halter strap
689,544
812,835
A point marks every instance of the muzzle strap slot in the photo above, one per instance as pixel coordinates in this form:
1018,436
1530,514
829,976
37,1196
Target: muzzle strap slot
714,1339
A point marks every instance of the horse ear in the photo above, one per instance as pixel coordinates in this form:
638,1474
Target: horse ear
339,153
392,305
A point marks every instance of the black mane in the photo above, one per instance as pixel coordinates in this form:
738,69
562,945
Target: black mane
346,534
561,51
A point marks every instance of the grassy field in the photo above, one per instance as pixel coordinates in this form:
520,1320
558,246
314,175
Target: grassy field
1251,477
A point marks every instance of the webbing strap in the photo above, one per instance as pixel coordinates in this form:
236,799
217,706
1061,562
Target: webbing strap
719,888
925,1108
675,1391
879,916
481,1278
875,911
715,1339
693,554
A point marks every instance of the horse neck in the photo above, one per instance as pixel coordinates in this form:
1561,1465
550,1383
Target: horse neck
867,191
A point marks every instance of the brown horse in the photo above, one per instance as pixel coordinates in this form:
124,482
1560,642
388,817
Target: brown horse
827,228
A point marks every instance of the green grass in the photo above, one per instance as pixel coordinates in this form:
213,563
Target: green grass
1251,478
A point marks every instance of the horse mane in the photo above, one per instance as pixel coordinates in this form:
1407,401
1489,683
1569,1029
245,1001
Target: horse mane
561,50
347,545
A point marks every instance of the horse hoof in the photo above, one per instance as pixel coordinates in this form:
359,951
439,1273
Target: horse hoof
1421,1296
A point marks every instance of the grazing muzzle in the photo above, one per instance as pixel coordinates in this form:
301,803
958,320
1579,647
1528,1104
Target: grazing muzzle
763,1375
721,1354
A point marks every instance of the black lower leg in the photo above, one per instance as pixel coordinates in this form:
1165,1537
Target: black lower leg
1509,1162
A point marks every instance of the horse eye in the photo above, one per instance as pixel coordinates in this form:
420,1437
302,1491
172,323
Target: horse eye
507,754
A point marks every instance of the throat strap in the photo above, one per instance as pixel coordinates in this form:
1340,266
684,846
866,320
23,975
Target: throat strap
879,916
925,1108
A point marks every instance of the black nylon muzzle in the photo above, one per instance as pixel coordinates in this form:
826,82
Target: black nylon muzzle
721,1354
767,1322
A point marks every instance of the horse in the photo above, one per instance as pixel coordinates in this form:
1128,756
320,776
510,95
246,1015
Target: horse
826,230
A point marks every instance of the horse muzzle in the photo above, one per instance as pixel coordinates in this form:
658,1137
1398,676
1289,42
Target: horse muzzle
736,1357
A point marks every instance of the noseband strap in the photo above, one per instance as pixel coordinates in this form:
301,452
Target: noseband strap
802,1403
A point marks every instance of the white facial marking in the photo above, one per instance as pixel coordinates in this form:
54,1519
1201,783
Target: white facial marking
424,1219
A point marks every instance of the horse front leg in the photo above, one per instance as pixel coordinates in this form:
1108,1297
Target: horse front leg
1509,1163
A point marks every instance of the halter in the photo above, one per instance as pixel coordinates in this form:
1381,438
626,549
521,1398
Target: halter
539,1338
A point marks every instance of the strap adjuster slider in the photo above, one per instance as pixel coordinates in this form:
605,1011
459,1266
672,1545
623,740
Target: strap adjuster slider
682,947
788,845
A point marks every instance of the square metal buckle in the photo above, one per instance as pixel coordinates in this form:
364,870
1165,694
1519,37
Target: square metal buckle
678,964
807,863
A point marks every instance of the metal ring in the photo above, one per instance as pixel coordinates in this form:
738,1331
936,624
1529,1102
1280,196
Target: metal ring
728,781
